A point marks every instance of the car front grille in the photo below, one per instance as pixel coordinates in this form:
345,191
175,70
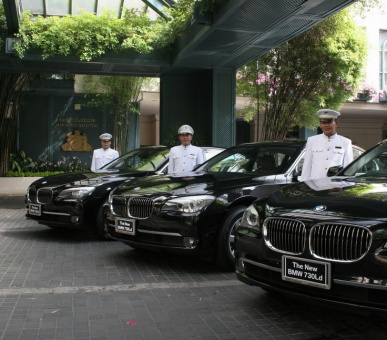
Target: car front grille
339,242
119,206
335,242
44,196
285,235
32,194
140,207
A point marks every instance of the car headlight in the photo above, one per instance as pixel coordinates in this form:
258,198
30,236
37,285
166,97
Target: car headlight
75,193
189,204
250,218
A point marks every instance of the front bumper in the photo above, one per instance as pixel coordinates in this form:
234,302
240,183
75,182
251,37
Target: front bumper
345,292
354,284
169,231
64,214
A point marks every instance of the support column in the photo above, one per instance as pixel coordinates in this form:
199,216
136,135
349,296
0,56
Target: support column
205,101
224,108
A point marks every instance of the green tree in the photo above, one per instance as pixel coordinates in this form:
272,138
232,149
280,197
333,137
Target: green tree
118,95
3,25
317,69
12,86
364,7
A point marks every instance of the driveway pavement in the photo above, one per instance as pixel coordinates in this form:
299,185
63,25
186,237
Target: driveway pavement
65,285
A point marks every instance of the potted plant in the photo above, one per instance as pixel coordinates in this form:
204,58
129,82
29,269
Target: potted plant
365,93
383,96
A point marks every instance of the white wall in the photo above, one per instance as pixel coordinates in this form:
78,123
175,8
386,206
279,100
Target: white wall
374,21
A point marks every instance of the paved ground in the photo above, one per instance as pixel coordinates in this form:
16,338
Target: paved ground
61,285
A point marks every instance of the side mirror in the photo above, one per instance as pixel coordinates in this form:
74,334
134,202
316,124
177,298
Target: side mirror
334,170
295,175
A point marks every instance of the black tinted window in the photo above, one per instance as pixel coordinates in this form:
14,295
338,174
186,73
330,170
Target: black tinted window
261,158
372,163
140,160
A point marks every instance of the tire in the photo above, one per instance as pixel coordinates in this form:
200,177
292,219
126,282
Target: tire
100,229
224,256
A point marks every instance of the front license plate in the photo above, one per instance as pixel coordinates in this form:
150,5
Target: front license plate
125,226
307,272
35,209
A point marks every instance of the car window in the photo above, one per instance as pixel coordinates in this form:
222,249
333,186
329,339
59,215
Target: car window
357,152
211,152
140,160
263,159
372,163
208,153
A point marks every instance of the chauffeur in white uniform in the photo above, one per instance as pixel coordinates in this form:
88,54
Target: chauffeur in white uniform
327,149
105,154
184,157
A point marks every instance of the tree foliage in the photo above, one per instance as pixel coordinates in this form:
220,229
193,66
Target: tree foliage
317,69
364,7
3,24
11,88
178,17
118,95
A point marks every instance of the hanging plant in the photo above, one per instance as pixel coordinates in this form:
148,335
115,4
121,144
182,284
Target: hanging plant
89,36
86,36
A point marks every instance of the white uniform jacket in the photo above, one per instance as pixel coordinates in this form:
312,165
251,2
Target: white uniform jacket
183,159
323,152
102,157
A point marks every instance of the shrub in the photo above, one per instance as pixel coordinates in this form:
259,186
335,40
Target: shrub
33,174
23,166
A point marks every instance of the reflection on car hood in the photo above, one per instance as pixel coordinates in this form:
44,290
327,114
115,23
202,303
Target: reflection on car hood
87,178
194,183
352,197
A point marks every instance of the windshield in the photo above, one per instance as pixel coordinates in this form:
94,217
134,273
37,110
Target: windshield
371,164
140,160
259,158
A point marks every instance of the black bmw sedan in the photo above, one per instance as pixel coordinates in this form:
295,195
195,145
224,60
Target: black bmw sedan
198,213
76,199
322,239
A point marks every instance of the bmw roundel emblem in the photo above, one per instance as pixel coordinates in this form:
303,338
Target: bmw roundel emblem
320,208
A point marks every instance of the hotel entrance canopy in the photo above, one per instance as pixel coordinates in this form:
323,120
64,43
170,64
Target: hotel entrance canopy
237,32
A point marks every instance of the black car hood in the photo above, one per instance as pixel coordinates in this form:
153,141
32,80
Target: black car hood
346,197
86,178
195,183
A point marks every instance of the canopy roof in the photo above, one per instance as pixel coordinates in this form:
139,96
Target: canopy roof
74,7
236,33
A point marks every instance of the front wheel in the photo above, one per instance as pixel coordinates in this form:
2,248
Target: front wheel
225,251
100,229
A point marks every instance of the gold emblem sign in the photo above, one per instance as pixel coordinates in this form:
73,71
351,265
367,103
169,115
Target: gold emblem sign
76,141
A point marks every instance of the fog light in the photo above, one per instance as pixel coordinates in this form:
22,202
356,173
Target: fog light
189,242
241,266
74,219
